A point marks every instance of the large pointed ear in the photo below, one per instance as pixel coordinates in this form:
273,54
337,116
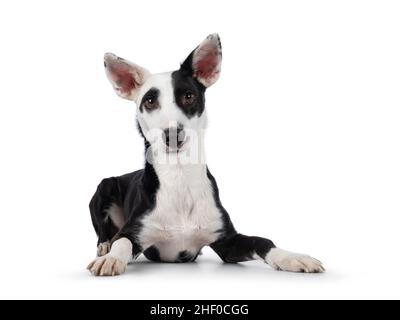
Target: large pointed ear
205,61
125,76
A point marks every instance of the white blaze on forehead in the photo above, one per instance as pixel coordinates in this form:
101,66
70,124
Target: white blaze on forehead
159,81
167,112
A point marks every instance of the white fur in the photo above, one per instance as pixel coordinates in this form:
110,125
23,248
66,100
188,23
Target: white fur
121,250
185,217
113,263
288,261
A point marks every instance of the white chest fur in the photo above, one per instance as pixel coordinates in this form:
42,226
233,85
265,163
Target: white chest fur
185,217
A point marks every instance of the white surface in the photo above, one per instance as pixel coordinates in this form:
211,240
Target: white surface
303,140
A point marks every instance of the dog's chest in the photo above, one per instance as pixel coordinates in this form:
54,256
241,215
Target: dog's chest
185,217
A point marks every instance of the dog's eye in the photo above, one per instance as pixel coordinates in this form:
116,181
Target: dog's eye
150,103
188,98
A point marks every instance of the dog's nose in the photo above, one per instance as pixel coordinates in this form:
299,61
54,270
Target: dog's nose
174,137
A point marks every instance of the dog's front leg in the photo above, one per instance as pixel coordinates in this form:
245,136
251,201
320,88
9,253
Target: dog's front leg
237,247
115,262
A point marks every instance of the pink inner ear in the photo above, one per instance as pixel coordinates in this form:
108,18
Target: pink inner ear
205,66
122,77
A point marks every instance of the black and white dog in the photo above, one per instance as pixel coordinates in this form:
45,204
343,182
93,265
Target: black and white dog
171,209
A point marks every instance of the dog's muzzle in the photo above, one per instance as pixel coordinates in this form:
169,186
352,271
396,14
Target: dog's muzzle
174,137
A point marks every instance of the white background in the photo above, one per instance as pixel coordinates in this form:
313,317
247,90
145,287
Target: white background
303,140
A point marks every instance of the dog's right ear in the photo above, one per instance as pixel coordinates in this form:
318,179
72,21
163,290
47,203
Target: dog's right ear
125,76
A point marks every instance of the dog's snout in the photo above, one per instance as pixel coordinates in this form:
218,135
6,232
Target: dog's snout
174,137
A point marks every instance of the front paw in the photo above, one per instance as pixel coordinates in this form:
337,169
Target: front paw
288,261
106,266
103,248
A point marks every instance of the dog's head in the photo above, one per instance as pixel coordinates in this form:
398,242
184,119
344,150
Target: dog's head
169,104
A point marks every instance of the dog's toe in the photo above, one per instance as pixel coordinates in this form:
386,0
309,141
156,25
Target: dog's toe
106,266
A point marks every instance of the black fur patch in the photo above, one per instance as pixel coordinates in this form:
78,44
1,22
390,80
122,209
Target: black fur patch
153,93
185,256
183,82
240,248
227,228
134,192
152,254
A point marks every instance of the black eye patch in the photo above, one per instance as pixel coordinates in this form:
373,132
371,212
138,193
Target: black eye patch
150,100
183,84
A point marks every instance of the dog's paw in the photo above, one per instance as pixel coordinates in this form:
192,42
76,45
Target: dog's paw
106,266
103,248
288,261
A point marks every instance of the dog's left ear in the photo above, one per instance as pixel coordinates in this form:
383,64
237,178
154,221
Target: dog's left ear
204,63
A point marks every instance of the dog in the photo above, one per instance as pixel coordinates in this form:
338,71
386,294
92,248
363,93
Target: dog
171,209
